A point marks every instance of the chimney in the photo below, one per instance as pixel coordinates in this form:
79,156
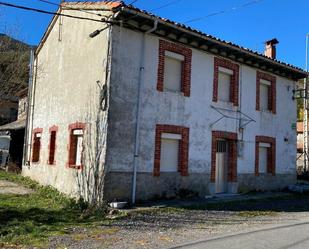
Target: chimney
270,48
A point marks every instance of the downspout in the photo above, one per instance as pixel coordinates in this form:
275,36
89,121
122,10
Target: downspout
137,123
25,147
30,115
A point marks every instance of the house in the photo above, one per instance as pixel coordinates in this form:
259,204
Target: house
12,134
8,109
161,106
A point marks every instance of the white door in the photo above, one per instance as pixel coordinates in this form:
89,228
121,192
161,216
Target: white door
221,166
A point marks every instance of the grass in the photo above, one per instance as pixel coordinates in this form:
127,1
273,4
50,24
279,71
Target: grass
29,220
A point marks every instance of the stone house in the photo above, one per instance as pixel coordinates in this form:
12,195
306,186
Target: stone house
177,109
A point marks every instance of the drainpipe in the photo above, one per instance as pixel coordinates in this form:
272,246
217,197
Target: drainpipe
139,101
25,148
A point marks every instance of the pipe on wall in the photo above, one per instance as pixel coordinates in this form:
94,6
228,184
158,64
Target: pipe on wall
138,107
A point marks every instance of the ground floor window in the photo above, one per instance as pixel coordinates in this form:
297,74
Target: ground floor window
52,144
265,155
36,145
76,145
171,149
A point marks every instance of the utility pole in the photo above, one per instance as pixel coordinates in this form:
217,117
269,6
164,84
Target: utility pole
305,121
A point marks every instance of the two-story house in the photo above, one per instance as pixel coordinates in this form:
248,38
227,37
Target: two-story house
172,108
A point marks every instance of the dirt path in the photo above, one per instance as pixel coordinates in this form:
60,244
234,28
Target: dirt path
168,229
7,187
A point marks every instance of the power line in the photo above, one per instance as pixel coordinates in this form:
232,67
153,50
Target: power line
59,5
53,13
166,5
224,11
157,8
134,1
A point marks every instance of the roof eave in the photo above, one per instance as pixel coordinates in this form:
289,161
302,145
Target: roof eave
208,44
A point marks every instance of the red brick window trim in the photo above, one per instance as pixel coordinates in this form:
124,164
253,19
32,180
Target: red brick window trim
234,84
186,65
183,147
271,154
232,154
52,145
271,91
74,143
36,145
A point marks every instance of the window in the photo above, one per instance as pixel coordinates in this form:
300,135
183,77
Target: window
265,155
171,149
76,145
225,85
169,152
174,69
36,146
52,145
263,147
265,92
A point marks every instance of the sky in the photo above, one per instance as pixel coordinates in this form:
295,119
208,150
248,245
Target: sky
249,26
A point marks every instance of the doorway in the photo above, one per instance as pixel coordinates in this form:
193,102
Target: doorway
221,166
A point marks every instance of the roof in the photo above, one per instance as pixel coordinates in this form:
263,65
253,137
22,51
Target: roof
133,18
200,40
16,125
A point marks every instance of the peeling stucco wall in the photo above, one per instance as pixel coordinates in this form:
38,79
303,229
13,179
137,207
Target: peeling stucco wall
66,91
194,112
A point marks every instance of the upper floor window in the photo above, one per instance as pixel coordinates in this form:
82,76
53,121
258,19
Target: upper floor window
225,85
265,92
174,69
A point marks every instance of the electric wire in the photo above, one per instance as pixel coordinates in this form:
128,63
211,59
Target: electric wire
53,13
59,5
224,11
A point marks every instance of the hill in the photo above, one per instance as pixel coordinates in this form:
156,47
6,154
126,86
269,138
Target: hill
14,65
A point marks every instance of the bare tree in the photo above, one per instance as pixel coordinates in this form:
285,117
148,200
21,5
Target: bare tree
92,177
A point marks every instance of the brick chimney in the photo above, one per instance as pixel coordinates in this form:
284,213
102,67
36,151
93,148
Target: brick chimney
270,48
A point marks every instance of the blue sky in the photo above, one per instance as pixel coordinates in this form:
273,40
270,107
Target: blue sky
287,20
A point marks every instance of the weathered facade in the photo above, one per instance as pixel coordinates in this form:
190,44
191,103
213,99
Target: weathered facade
177,109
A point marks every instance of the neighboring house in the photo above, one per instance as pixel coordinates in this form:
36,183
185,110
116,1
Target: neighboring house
8,109
182,110
12,134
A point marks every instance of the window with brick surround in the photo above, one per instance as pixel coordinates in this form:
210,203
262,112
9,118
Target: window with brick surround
265,155
225,84
174,69
52,145
36,145
171,149
76,145
265,92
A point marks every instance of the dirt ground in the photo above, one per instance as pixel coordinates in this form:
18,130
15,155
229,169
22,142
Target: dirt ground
7,187
169,227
